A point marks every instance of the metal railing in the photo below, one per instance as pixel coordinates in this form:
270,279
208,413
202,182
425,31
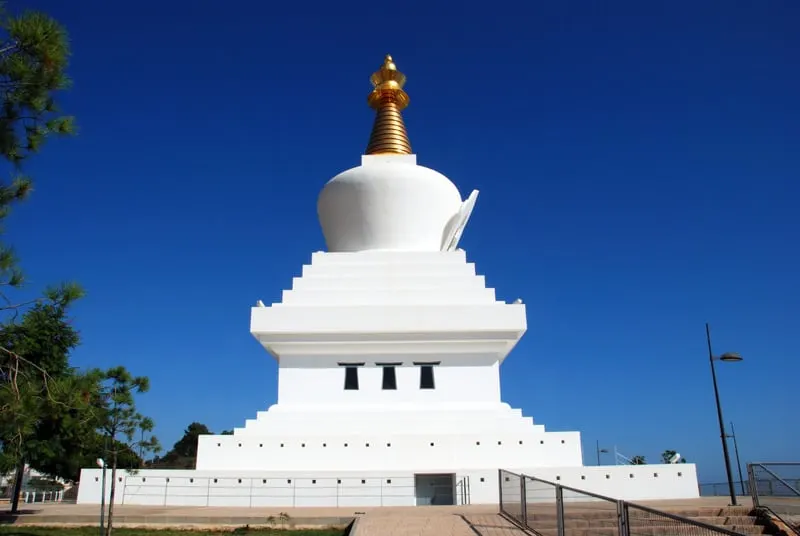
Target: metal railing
35,495
550,508
386,490
776,486
721,489
41,495
463,491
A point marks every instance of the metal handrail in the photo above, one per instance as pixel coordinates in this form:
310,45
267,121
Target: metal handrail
628,504
581,491
623,507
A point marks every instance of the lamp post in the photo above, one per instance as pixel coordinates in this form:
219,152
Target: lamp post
727,357
738,462
599,451
102,464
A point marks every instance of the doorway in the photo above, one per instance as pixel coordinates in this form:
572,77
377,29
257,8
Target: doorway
434,489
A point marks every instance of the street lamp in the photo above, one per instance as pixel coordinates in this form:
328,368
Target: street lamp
102,464
726,357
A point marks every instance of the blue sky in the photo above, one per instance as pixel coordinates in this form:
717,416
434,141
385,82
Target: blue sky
637,177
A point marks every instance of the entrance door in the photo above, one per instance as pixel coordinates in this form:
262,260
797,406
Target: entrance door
435,489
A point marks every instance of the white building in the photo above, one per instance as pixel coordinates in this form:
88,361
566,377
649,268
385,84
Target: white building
389,349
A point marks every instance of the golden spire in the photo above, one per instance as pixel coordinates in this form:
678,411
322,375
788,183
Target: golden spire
388,99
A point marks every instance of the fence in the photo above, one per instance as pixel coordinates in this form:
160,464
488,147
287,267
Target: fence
720,489
776,486
34,495
398,490
39,496
544,507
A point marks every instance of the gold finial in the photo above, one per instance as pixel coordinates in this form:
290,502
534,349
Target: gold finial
388,99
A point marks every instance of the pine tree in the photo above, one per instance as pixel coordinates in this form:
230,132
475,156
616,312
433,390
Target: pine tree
34,53
120,422
39,391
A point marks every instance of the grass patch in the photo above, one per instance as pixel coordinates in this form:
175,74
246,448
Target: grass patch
94,531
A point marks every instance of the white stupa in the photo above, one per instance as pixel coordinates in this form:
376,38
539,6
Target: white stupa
389,348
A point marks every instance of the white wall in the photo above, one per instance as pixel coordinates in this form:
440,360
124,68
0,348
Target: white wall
364,489
629,482
390,452
454,382
203,488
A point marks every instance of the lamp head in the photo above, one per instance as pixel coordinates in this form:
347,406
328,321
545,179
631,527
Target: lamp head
730,357
101,463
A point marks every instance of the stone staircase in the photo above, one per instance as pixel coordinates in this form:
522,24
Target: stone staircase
601,520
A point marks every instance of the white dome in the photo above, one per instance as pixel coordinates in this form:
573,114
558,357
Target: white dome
387,203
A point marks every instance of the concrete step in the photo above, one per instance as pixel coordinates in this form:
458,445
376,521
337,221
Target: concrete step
600,519
662,530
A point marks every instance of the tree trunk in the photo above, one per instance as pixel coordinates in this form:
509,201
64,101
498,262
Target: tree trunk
110,519
17,486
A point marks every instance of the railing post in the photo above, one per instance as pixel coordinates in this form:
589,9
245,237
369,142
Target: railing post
500,484
523,500
622,519
560,509
751,477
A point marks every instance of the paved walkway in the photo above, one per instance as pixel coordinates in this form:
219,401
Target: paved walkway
472,520
443,523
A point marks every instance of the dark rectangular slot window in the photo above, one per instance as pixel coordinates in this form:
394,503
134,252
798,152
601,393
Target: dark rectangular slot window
351,378
426,377
389,378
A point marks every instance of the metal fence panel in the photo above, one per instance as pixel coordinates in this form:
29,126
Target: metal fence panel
548,508
776,486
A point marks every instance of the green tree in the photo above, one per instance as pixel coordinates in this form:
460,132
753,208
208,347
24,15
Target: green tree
183,454
40,394
186,447
34,53
638,460
121,422
79,452
667,456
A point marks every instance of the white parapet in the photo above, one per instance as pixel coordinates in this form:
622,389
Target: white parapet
382,488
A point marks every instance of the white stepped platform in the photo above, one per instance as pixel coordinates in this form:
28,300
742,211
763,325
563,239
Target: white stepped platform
319,423
383,303
391,439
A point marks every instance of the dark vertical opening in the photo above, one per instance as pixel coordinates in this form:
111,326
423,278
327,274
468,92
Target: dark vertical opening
351,378
426,377
389,378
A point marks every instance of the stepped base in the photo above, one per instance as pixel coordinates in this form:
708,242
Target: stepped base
388,441
389,303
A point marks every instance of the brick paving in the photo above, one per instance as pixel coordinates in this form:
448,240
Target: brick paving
443,523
